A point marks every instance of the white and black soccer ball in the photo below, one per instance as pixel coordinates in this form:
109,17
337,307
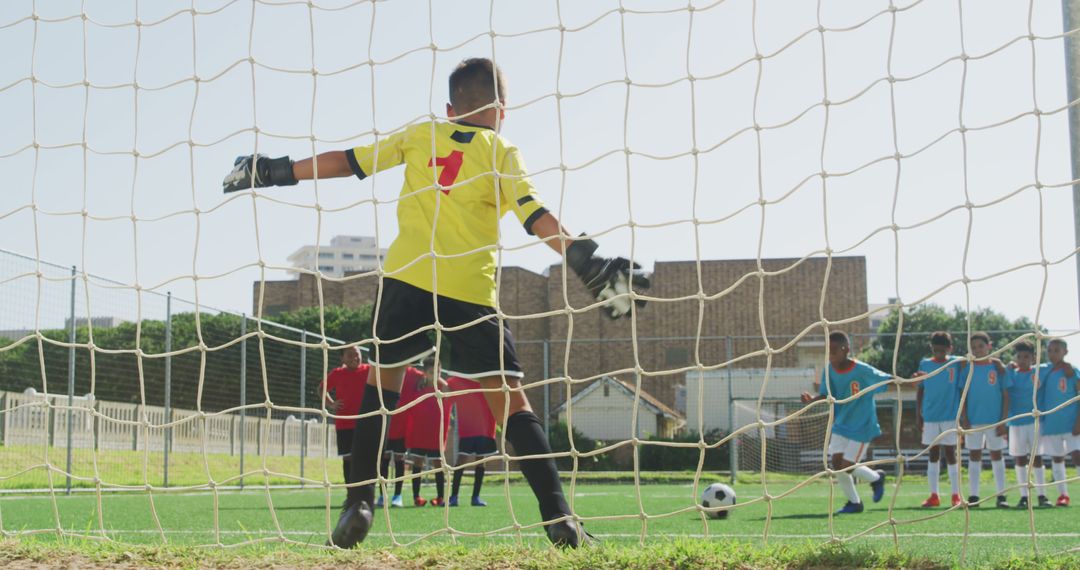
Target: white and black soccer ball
718,495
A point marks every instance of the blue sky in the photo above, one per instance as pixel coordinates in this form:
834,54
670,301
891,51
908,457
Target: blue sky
377,71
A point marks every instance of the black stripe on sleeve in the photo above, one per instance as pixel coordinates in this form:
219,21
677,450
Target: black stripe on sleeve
355,166
525,200
532,219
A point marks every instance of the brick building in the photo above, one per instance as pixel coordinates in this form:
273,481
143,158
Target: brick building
726,309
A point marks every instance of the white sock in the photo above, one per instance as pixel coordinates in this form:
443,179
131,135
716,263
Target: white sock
998,467
1040,479
847,485
1058,469
865,474
974,470
1022,479
933,475
954,477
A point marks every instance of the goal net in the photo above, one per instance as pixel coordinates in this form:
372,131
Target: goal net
784,170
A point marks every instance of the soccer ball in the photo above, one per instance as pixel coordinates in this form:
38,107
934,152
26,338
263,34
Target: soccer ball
718,495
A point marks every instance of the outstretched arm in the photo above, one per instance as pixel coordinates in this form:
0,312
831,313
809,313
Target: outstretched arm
332,164
260,171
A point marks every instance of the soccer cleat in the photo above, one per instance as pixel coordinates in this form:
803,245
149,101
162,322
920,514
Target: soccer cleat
878,486
933,501
397,502
569,534
1002,502
956,500
379,502
478,502
1023,503
453,500
437,502
1063,501
352,526
419,501
1044,502
850,509
973,501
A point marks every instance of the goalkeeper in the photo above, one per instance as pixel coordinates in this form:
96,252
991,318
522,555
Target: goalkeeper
461,177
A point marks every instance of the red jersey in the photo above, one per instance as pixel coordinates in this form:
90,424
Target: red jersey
399,422
348,388
424,422
474,417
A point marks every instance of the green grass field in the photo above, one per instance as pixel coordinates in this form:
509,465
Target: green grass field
993,536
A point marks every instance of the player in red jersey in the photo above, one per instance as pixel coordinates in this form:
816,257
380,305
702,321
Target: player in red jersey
425,437
476,436
394,450
347,382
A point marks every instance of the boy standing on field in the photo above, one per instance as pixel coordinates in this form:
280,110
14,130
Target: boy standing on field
855,423
936,409
1022,396
1059,432
461,177
984,413
347,383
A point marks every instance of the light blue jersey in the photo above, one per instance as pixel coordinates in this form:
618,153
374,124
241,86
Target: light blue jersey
941,392
1021,396
987,388
1056,389
857,419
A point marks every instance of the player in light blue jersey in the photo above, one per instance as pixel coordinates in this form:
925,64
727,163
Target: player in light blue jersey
1059,432
936,411
1022,423
855,422
984,412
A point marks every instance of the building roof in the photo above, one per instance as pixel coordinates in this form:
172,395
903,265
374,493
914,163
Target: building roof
647,399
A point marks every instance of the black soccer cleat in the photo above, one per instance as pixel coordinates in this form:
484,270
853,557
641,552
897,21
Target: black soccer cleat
1023,503
1044,503
1002,502
352,527
569,534
973,502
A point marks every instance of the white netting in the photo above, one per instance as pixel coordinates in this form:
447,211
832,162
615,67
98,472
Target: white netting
792,135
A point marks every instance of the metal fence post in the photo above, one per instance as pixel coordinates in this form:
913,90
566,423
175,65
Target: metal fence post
1070,20
303,403
547,388
71,380
243,390
733,443
168,389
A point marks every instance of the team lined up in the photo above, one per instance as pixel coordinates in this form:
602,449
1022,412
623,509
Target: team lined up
995,403
418,433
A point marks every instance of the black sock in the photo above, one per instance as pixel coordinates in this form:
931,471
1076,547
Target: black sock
478,481
399,471
367,435
346,469
416,482
440,484
524,432
458,474
384,465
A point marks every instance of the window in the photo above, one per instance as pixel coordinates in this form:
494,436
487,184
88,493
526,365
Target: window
326,268
607,389
326,255
346,256
675,356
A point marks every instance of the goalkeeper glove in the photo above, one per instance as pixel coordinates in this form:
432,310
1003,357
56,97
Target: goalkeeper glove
607,279
259,171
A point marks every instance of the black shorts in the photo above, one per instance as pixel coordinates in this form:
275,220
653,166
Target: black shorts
477,445
344,443
474,350
394,446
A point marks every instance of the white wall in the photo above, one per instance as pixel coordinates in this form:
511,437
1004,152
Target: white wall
746,383
608,418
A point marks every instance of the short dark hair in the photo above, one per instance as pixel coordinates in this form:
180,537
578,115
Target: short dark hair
1060,341
941,338
474,83
839,337
1024,346
980,336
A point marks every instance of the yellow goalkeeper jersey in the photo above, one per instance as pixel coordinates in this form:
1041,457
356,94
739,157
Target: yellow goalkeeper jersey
451,204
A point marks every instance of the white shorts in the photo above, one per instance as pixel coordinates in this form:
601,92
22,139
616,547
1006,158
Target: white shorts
931,430
1059,444
1021,440
983,436
853,450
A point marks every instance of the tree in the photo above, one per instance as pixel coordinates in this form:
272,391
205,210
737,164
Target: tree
922,320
